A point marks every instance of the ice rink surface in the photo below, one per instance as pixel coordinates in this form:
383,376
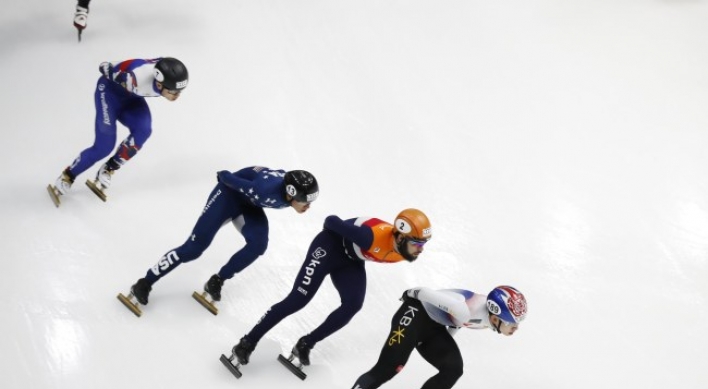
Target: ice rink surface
557,146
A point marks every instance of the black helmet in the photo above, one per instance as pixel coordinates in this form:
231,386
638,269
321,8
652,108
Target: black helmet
301,186
171,73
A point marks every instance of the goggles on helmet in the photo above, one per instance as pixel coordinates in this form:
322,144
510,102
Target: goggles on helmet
417,242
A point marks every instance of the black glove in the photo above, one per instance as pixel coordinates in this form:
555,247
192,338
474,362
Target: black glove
404,297
329,220
219,173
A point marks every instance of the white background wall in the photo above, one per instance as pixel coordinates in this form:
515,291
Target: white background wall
556,146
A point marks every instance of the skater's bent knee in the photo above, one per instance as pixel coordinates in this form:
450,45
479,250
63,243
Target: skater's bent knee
353,305
257,247
449,376
190,252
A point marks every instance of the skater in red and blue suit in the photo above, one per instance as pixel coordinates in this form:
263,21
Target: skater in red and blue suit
120,98
340,251
239,197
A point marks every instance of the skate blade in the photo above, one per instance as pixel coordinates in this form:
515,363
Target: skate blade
233,369
79,29
209,305
53,194
96,190
287,362
129,304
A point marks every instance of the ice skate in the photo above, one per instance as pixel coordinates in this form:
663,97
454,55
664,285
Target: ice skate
140,292
61,186
240,354
301,352
80,19
211,289
102,182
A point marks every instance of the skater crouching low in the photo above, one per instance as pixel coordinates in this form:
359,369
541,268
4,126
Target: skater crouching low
120,98
239,197
426,322
339,251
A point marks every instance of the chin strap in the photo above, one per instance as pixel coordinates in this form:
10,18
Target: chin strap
497,327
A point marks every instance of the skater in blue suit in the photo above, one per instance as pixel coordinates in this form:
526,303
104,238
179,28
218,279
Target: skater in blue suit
240,198
120,97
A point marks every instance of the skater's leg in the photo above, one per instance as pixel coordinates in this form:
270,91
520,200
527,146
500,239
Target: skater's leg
253,225
407,326
442,352
221,207
350,282
108,105
321,256
137,118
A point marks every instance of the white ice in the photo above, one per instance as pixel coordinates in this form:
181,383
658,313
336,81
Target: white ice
558,146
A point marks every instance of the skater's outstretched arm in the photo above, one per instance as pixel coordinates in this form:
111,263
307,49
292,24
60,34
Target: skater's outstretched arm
362,236
137,76
233,181
451,302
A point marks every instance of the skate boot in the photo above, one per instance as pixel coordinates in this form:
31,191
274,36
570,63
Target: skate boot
241,353
103,180
213,289
243,350
301,351
80,19
104,175
61,186
140,291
